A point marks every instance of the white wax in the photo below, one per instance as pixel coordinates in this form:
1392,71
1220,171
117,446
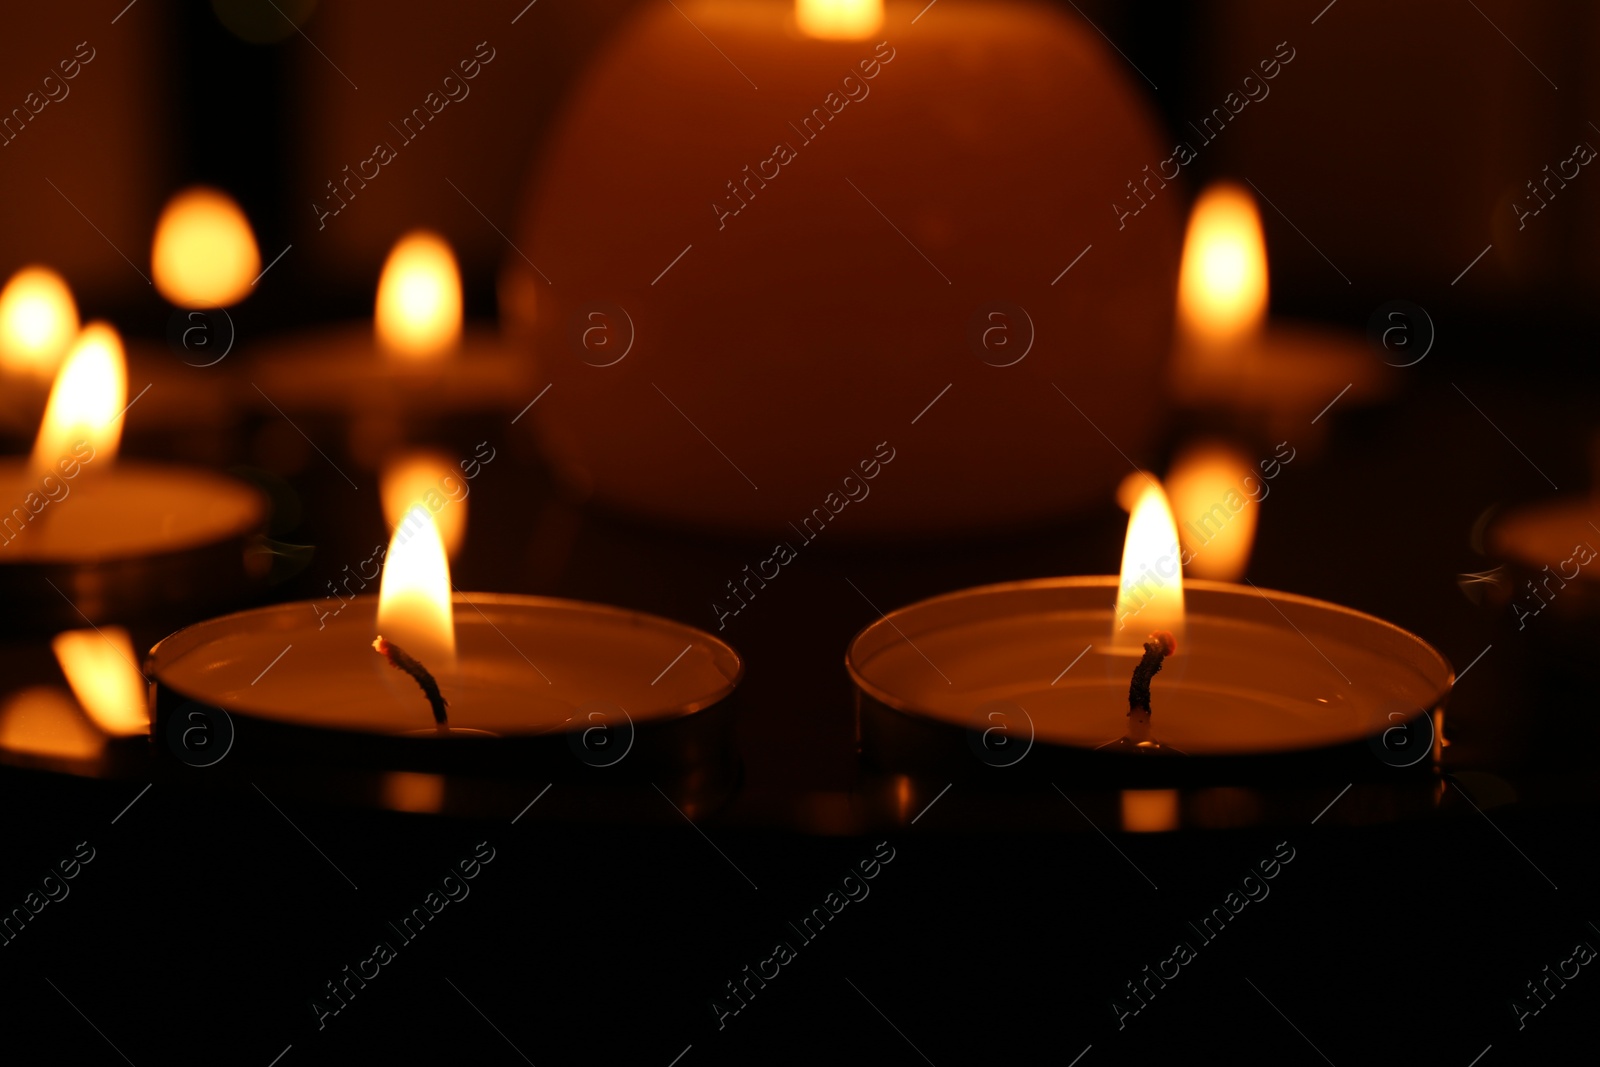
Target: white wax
119,510
525,666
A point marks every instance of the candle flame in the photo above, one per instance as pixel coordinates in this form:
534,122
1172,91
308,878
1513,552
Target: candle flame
87,400
1150,592
419,298
1222,285
99,665
1149,811
428,480
1209,488
38,320
415,610
43,721
839,20
204,255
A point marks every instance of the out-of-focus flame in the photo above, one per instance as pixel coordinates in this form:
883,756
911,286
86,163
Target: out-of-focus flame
1215,512
1222,285
43,721
38,320
99,665
424,479
1150,593
204,254
1149,811
839,20
86,402
415,610
409,791
1130,487
419,298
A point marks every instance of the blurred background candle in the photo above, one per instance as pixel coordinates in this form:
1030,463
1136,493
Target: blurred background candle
845,218
204,254
403,376
87,536
1269,380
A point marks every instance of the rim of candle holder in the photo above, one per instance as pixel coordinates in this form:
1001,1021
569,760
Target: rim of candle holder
48,595
897,626
665,741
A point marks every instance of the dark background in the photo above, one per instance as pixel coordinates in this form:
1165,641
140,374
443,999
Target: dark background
1412,914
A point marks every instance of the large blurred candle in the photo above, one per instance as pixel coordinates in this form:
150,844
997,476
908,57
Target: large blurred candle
204,254
860,222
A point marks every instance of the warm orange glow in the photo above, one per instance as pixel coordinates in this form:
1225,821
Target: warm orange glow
407,791
1130,487
1210,488
1150,593
1222,285
99,665
839,20
1149,811
204,255
43,721
86,402
38,320
431,481
419,298
415,610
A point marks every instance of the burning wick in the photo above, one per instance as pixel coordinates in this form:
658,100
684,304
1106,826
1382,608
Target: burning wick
1157,647
400,660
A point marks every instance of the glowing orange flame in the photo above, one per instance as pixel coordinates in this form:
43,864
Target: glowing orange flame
99,665
419,298
840,20
43,721
38,320
415,609
1216,512
1222,285
1150,593
429,480
204,254
87,400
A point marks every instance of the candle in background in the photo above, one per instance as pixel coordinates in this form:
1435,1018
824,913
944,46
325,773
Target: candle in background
1222,292
835,209
87,535
423,478
398,377
1229,360
204,253
418,310
38,321
839,20
1216,513
1149,811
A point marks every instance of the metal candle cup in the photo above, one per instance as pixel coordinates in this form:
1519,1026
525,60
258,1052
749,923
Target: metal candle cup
1263,683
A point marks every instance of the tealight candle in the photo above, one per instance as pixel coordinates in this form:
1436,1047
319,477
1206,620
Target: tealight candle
510,671
414,361
1228,356
1255,673
113,538
38,323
